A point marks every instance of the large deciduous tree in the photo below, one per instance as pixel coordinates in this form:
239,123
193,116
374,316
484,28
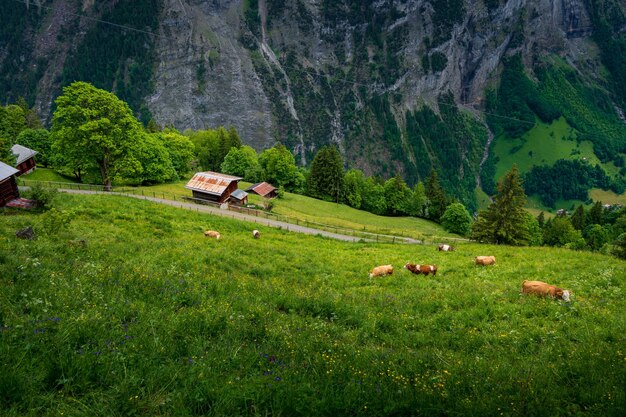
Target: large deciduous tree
326,178
180,148
92,128
504,221
397,195
353,183
243,162
456,219
279,168
38,140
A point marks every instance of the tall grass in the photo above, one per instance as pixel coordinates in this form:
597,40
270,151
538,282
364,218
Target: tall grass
132,311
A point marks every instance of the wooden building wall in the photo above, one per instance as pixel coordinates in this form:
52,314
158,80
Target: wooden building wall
25,166
8,190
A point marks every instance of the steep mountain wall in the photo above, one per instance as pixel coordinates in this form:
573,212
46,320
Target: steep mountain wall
362,74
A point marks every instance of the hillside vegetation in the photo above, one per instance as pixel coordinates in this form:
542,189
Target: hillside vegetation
130,310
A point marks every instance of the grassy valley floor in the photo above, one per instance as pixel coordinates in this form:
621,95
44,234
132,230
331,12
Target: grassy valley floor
132,311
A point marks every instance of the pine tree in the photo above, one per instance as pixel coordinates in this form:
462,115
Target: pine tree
595,213
437,200
541,219
504,221
578,218
326,178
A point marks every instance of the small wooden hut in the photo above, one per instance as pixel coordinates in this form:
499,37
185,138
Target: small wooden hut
25,159
8,185
212,186
239,197
263,189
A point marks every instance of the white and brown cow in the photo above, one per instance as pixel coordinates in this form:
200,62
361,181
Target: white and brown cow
543,289
256,234
421,269
445,248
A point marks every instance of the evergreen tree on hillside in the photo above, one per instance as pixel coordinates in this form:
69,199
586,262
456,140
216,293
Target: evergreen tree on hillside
326,178
437,200
578,218
31,119
541,219
595,213
504,221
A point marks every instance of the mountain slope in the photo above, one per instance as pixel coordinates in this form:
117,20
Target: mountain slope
399,86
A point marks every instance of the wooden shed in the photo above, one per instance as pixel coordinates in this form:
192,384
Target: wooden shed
263,189
239,197
212,186
25,159
8,185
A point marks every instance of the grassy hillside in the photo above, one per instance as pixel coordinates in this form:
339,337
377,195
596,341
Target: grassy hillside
149,317
300,208
312,210
544,144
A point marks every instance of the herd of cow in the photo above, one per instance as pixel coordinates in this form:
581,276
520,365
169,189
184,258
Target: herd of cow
528,287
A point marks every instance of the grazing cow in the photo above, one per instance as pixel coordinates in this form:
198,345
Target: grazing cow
485,260
421,269
256,234
445,248
213,233
543,289
382,270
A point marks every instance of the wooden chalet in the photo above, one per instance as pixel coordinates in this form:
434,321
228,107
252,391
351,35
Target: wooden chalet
213,186
25,159
263,189
8,185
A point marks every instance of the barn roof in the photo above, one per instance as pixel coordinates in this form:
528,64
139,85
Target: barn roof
239,194
211,182
22,153
261,188
6,171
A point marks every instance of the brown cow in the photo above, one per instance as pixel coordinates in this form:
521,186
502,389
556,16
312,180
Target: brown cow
445,248
213,233
421,269
485,260
543,289
382,270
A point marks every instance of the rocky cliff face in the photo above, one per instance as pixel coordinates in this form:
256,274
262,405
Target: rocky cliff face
214,66
311,72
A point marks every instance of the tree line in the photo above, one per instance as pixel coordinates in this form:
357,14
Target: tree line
94,135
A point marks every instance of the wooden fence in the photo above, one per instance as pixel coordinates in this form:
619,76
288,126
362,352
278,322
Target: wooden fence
255,212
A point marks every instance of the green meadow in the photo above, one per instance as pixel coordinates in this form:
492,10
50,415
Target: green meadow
542,145
339,215
131,311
